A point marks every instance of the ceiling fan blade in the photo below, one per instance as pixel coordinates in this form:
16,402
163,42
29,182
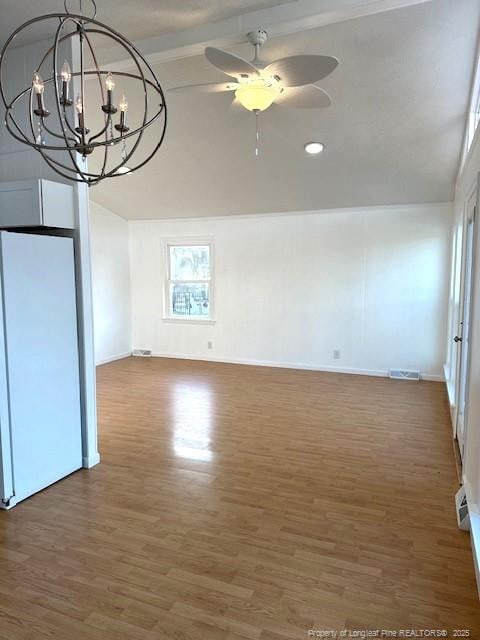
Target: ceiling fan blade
230,64
295,71
308,97
207,87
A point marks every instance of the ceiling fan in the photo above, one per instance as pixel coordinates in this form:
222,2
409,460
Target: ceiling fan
258,84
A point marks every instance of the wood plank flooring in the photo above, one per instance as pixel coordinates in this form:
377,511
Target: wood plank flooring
242,502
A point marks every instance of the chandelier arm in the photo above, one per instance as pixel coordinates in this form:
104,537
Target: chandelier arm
101,132
57,95
69,126
57,135
72,170
125,136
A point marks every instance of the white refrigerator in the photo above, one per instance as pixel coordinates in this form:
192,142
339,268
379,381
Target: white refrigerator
40,420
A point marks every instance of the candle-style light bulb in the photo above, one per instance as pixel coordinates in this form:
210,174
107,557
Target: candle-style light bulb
66,76
123,106
110,82
110,85
38,87
37,83
66,73
82,129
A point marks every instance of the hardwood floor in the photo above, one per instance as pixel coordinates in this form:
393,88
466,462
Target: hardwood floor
241,502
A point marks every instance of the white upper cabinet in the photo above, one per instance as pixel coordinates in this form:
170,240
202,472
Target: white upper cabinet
36,203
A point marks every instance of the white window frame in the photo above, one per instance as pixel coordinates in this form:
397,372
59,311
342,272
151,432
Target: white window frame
189,242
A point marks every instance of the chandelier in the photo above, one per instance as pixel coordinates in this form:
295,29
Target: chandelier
74,110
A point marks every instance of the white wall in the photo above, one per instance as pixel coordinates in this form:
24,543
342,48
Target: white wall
111,284
292,288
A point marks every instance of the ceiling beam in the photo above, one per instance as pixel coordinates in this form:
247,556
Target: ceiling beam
280,20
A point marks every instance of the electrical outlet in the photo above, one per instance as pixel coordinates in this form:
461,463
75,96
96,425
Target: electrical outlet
336,354
210,344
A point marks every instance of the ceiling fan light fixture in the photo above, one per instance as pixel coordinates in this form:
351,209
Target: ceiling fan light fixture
313,148
257,95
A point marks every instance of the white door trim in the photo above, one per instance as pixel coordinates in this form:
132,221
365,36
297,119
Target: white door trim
463,328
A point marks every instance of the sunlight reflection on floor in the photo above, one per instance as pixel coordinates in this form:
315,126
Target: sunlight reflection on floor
192,411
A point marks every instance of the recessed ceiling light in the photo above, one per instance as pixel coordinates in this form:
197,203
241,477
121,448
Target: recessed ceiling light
314,147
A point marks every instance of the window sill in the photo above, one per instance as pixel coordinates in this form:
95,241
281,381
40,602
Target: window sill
189,320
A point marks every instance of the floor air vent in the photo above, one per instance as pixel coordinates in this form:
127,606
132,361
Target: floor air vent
463,517
142,353
404,374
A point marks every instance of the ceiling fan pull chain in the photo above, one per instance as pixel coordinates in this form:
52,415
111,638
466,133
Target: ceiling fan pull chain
257,134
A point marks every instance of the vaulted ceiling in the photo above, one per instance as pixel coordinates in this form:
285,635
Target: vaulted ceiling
392,135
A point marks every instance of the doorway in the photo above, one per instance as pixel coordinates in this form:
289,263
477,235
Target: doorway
462,338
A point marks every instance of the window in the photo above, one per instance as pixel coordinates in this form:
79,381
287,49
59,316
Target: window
189,289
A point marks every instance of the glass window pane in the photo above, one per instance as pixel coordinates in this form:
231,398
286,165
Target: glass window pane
190,262
190,299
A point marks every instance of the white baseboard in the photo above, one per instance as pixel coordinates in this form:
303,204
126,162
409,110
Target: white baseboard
90,461
451,398
431,377
119,356
289,365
